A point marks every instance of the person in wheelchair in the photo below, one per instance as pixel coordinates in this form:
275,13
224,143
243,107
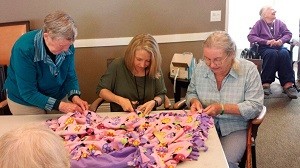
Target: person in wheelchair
270,34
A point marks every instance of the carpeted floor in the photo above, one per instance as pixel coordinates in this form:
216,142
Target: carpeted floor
278,140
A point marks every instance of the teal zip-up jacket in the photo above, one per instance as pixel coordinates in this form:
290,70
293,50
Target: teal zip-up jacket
33,79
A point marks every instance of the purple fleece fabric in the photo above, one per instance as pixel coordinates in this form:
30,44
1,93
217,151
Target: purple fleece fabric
116,159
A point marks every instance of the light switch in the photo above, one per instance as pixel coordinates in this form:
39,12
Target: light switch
215,16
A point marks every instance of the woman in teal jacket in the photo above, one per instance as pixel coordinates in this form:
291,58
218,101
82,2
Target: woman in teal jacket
42,71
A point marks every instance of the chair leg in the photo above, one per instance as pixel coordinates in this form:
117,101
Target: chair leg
253,156
243,160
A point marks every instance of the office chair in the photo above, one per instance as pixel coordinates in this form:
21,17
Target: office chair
96,103
249,157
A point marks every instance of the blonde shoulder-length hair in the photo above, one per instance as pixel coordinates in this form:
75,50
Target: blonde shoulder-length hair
148,43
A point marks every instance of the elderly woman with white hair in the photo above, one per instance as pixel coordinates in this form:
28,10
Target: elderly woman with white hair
41,75
33,145
229,90
270,34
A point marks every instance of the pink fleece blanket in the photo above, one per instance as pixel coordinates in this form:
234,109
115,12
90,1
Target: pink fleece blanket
158,140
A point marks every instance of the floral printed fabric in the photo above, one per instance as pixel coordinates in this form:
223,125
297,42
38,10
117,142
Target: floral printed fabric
158,140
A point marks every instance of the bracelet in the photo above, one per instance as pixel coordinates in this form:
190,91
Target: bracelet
156,103
222,112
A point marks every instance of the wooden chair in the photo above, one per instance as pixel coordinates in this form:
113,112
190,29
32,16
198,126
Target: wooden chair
9,33
96,103
249,158
4,109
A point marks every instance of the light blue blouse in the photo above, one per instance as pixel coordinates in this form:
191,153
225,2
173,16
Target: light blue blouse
242,87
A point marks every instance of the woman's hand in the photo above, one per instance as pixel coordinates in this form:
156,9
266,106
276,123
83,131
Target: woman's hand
274,43
195,105
271,43
125,103
69,107
213,109
147,107
81,103
278,43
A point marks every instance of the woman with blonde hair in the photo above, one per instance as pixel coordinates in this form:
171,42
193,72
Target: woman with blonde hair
135,81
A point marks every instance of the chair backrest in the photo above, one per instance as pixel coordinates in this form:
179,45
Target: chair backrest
9,33
3,103
3,71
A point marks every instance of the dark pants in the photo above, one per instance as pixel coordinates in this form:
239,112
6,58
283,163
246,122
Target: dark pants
276,59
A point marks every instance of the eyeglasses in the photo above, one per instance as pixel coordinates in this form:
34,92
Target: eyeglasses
218,61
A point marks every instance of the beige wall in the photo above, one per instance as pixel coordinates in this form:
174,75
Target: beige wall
98,19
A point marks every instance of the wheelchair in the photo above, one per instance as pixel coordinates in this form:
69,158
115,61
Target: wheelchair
252,52
253,55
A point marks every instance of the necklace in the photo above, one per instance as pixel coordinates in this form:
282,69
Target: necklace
271,27
137,89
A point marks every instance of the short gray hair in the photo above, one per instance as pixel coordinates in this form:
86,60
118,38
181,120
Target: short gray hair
33,145
60,25
263,10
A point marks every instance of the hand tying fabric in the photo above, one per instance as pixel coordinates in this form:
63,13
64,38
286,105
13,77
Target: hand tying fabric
81,103
213,109
147,107
195,106
69,107
126,104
